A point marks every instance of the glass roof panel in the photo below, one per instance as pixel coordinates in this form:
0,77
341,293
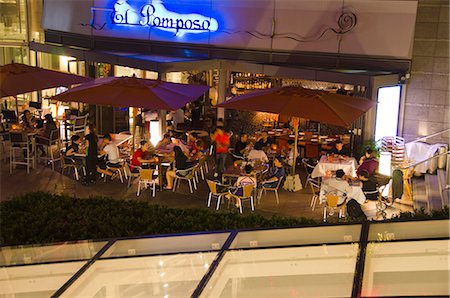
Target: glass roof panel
156,276
40,280
297,236
315,271
407,268
409,230
19,255
162,245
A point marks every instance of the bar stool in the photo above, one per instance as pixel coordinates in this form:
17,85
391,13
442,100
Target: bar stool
21,144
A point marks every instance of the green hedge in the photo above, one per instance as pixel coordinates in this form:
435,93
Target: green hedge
41,217
44,218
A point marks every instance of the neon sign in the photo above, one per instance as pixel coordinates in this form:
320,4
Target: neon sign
157,16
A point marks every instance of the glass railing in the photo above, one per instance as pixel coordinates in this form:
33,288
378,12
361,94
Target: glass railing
395,259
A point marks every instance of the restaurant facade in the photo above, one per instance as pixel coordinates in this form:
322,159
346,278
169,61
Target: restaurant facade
244,45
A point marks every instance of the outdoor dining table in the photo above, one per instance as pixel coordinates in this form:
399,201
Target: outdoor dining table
328,164
235,171
355,193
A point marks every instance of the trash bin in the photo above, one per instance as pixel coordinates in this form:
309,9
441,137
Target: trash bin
442,160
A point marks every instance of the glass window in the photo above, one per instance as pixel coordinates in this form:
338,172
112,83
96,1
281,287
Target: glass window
157,276
409,230
297,236
20,255
161,245
36,280
317,271
13,20
409,268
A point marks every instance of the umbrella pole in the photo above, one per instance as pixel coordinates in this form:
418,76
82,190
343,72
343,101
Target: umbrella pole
295,144
17,108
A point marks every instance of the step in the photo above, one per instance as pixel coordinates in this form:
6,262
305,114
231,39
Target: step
445,193
433,192
419,193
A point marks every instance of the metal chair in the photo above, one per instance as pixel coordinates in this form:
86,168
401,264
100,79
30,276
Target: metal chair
203,166
78,125
274,189
247,194
315,188
48,143
309,168
130,174
332,200
70,163
4,137
20,143
146,179
213,192
187,175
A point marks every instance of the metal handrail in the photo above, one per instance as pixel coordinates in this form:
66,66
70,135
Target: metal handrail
429,136
425,160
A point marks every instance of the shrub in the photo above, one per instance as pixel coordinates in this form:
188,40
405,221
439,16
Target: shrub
41,217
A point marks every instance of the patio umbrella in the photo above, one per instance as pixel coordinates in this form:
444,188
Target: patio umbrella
134,92
316,105
17,78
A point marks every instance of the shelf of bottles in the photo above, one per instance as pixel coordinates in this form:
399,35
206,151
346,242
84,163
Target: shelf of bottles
245,82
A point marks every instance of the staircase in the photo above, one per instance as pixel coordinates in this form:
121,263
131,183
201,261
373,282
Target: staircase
431,191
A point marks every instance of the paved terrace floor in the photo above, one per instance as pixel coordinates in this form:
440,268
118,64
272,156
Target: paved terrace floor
43,178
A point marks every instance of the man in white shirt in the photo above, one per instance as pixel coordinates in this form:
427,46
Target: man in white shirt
112,151
337,185
257,154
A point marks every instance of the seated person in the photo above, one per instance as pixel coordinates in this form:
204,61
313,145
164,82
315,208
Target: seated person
276,174
28,121
368,163
110,157
46,133
338,185
181,163
141,156
240,148
162,145
247,179
74,147
264,140
257,154
111,151
71,150
191,142
339,149
368,185
201,146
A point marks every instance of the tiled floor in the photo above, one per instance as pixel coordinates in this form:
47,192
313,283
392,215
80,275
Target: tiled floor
44,179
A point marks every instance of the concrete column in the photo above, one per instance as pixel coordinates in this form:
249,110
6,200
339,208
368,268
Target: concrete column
221,92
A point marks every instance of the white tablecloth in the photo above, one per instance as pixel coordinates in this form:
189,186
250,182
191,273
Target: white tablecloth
419,151
355,193
349,166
